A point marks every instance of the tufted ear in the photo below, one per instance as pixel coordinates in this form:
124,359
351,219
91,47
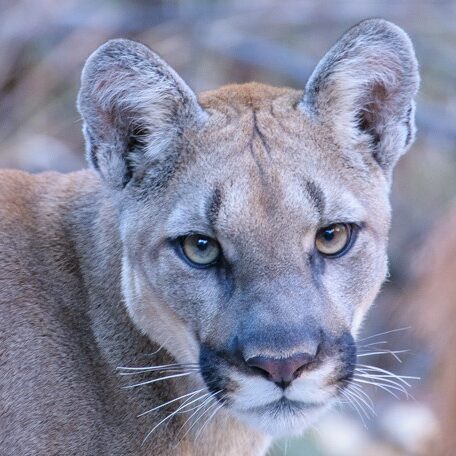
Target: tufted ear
365,86
134,108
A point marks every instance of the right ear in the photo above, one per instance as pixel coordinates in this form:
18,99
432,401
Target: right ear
365,88
134,107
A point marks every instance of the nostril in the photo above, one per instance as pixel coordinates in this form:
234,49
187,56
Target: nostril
261,365
281,371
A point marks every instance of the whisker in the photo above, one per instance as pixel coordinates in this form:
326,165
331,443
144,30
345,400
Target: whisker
381,342
362,404
363,393
390,374
285,447
212,415
380,378
198,408
184,408
160,371
393,353
359,393
169,417
353,405
164,366
382,386
211,407
374,374
190,409
159,348
388,383
207,401
148,382
171,401
385,332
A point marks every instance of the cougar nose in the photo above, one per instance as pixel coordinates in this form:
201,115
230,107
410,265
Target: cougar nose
282,371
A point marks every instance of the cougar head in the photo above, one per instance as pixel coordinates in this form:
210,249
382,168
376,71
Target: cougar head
254,220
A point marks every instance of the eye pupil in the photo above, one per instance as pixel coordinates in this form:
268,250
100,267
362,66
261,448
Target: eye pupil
202,244
329,234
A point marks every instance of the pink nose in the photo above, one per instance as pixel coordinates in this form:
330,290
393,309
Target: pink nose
282,371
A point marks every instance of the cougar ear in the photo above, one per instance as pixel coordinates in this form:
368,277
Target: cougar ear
134,107
365,86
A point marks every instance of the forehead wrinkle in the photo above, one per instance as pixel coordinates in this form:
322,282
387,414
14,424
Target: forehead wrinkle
213,206
316,195
320,203
341,205
298,201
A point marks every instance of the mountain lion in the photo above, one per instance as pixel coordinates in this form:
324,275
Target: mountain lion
199,290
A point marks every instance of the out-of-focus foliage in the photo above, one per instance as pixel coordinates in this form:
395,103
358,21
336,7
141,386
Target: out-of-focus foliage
43,45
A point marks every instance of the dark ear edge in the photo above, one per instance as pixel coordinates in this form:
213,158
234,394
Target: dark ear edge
365,86
134,107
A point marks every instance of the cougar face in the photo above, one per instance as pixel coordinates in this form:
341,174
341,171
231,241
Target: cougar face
254,220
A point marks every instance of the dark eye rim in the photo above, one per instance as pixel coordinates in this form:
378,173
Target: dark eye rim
178,244
353,230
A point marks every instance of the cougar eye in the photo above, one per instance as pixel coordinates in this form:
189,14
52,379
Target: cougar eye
334,239
200,250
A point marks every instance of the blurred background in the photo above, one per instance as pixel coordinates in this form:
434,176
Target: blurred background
43,45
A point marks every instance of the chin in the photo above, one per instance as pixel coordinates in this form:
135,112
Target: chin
282,418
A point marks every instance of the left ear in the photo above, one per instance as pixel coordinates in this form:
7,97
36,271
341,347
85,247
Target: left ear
365,86
135,108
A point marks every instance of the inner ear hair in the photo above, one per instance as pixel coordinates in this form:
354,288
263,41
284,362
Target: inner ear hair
368,118
364,88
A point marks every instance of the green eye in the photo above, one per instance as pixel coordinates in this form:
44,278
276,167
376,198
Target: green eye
333,239
200,250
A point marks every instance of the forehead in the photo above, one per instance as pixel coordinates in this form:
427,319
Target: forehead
260,161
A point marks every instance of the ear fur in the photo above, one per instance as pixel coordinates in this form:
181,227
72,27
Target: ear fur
365,86
134,107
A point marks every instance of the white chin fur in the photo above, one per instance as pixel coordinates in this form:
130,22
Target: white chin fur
284,424
255,402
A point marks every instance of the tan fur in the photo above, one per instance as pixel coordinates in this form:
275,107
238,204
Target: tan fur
93,277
